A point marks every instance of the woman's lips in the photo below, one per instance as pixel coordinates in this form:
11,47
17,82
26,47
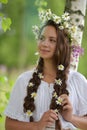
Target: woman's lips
44,51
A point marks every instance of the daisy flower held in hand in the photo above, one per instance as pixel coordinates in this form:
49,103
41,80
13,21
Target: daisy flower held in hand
59,101
56,110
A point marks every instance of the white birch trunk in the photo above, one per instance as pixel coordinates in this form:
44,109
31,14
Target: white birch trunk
77,10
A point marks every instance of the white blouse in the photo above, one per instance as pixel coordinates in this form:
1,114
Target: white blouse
76,85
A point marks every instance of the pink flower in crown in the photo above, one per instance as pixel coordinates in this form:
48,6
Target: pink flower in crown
77,51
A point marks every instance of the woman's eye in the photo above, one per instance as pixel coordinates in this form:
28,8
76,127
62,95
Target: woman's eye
52,40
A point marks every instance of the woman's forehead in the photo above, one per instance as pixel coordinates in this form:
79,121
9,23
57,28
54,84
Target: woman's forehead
49,31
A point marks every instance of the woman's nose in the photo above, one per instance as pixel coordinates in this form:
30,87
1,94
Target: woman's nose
45,42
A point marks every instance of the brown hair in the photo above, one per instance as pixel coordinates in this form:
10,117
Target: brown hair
61,56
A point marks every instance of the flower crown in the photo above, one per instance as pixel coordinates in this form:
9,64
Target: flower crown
64,22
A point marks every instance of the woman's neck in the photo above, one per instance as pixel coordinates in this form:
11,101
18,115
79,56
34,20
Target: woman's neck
49,71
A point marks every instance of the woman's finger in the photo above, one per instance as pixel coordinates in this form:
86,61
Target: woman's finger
66,107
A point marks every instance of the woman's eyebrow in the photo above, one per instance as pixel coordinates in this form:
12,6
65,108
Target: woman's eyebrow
53,37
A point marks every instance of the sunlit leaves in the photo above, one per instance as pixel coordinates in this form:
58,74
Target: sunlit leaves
6,22
4,1
4,93
3,79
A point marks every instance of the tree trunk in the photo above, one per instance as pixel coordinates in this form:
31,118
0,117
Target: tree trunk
77,10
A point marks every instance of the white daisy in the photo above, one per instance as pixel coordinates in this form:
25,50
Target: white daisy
36,53
36,30
55,94
58,82
66,24
56,19
61,27
40,76
59,101
29,113
33,95
60,67
31,84
56,110
66,16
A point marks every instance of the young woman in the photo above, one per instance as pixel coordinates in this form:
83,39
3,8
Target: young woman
49,97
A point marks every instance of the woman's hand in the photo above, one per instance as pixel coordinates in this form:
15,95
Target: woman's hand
47,119
67,112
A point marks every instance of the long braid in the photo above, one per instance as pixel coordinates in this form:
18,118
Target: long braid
63,56
28,100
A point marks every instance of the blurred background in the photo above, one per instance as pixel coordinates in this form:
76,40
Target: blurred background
18,45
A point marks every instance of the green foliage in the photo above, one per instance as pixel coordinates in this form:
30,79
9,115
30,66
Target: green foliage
3,79
6,22
5,90
41,4
4,1
3,93
1,14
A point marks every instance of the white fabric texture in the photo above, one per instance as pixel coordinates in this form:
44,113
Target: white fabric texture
76,85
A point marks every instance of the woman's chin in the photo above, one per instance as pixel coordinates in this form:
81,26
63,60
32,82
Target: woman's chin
45,57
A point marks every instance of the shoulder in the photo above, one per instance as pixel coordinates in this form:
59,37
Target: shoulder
77,80
78,89
22,79
73,75
25,75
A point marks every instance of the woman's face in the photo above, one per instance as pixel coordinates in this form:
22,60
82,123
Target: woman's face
47,42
